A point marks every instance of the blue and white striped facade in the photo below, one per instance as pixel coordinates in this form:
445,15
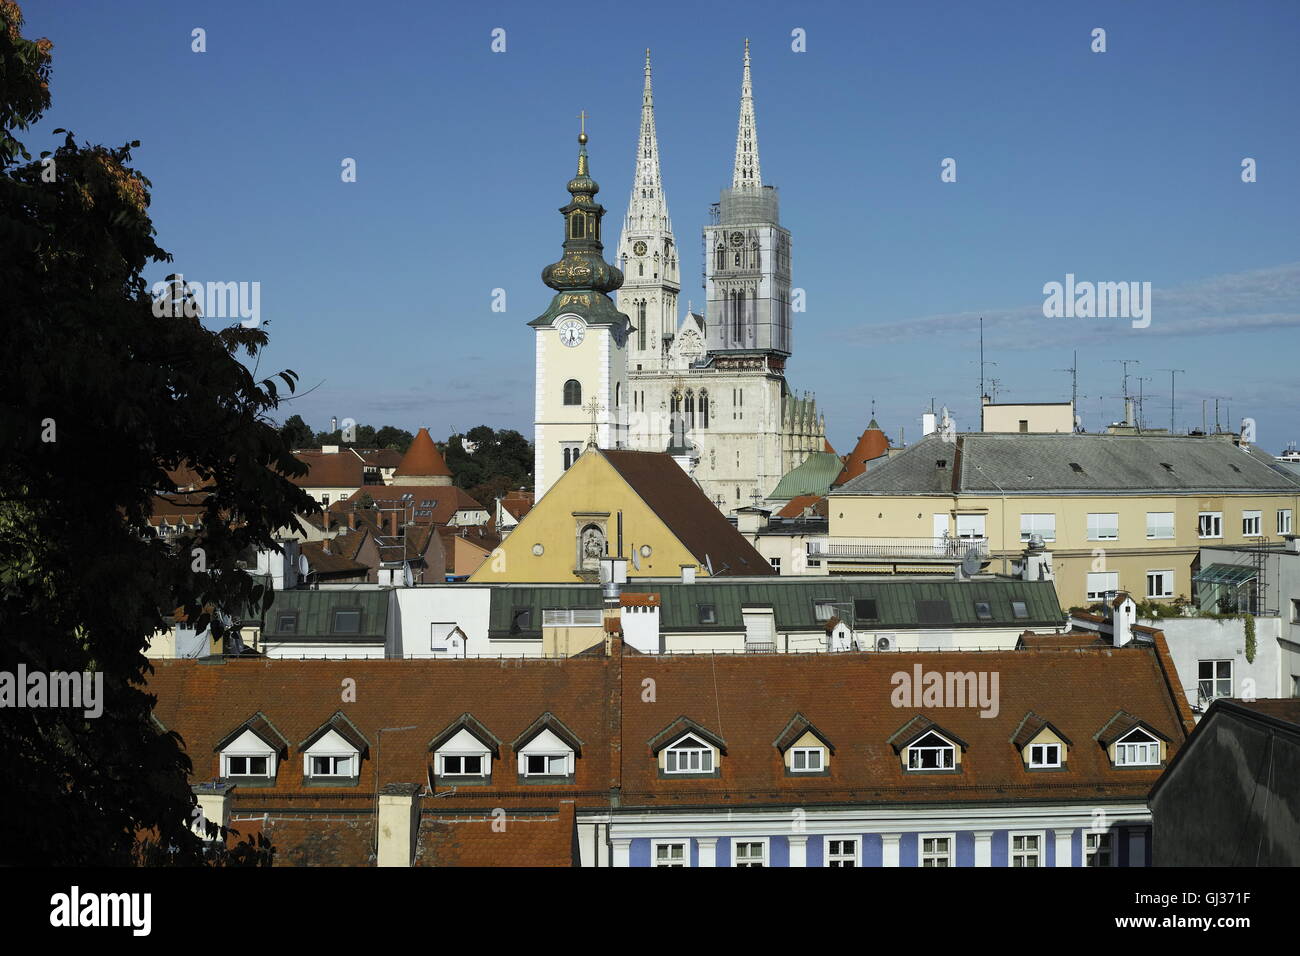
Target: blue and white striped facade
977,836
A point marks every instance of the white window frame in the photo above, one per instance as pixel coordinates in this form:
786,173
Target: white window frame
1249,520
775,564
1168,577
974,528
550,756
1043,762
481,772
914,752
807,753
702,754
1127,752
246,755
1102,846
948,854
670,864
1101,527
1044,525
1215,524
765,860
309,760
1092,593
840,859
1039,851
1283,520
1154,529
1215,679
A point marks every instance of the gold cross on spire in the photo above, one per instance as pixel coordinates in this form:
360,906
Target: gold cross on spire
595,408
582,121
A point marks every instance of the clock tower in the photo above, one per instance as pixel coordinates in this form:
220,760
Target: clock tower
581,342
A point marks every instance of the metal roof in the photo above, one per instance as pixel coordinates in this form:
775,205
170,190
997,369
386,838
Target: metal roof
812,477
315,614
1038,464
899,603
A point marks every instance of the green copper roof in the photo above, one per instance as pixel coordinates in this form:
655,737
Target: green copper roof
813,477
582,278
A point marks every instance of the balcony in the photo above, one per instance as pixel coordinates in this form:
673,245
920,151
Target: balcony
876,550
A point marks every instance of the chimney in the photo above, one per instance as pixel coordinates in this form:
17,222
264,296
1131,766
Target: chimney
213,803
1130,417
688,574
352,519
392,523
1121,614
927,424
1036,564
398,824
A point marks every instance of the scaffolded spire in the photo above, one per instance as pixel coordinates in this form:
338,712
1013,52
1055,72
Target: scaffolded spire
746,174
647,210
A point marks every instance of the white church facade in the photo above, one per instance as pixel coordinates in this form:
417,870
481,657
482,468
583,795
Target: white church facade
709,388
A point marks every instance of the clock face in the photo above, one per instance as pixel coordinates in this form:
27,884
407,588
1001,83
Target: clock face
737,239
572,331
639,247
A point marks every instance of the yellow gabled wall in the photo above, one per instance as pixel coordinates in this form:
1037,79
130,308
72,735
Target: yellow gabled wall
591,486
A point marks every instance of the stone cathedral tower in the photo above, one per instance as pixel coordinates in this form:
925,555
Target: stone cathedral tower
710,388
647,252
581,342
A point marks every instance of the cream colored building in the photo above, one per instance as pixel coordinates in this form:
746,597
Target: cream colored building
1027,417
1117,512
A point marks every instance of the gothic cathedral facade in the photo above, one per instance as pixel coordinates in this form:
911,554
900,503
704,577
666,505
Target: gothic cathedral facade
711,388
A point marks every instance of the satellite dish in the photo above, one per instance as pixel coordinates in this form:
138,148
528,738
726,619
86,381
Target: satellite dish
882,644
970,563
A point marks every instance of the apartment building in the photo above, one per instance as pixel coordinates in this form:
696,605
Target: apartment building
1118,512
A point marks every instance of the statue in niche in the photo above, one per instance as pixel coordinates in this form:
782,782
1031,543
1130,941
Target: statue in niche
591,547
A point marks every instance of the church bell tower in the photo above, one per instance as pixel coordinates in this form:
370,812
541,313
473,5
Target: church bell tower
581,342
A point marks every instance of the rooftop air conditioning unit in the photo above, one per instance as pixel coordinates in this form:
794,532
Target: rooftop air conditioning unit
882,644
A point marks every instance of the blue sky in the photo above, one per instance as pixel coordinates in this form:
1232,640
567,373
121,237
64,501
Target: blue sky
1115,166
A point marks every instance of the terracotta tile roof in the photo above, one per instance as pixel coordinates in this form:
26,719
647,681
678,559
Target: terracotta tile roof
262,727
1029,728
548,721
529,838
422,459
517,503
444,501
796,728
1287,709
795,507
340,724
337,561
871,445
382,457
1120,723
342,469
1075,640
688,513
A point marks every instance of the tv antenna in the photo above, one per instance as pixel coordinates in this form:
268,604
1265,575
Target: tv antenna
1173,372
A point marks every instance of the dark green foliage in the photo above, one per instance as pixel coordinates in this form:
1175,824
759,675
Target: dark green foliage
501,461
126,397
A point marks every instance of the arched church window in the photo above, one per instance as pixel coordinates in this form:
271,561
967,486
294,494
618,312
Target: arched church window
618,394
738,259
640,325
690,409
572,392
675,403
722,257
754,261
737,306
704,408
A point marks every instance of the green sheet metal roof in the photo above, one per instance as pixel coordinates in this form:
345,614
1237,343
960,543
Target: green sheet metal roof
813,477
315,617
793,601
1230,574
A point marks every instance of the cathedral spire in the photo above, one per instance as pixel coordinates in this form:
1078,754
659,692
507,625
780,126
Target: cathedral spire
647,210
746,174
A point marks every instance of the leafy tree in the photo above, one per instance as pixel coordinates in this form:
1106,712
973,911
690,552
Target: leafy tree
100,400
500,461
399,439
297,433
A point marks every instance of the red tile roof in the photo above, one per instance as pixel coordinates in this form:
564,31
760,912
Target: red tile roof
686,510
342,469
528,838
796,506
422,459
870,446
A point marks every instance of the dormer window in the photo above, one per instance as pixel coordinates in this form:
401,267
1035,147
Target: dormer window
689,755
1044,755
463,752
807,759
547,751
931,752
332,753
250,753
1137,748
